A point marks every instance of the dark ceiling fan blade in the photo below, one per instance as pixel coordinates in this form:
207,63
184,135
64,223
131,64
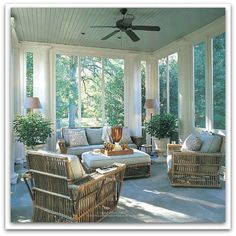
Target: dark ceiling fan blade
132,35
100,26
147,28
111,34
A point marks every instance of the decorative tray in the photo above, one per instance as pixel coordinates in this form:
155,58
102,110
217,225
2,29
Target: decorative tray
117,153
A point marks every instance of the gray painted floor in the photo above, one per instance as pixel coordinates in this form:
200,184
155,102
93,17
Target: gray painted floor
146,200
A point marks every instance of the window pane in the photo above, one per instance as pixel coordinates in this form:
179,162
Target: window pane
114,91
29,74
219,82
173,83
199,51
91,91
162,65
66,91
143,89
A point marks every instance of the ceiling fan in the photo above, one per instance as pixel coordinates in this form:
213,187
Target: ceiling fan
125,25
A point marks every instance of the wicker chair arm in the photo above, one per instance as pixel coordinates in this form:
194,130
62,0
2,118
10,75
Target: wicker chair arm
173,148
62,146
195,154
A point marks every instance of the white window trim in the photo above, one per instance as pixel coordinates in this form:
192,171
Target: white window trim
209,116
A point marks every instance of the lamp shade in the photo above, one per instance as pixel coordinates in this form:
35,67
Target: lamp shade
151,104
32,103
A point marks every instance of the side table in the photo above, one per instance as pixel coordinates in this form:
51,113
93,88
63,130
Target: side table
147,148
138,141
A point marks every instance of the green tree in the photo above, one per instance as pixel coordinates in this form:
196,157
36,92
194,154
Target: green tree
29,74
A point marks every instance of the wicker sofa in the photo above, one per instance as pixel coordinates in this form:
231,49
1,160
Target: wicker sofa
93,138
195,168
62,192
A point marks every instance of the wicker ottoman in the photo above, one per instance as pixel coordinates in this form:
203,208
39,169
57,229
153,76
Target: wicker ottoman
137,164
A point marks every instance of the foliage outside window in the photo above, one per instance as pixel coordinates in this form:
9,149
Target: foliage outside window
173,83
93,97
143,89
162,66
91,91
29,74
218,46
114,91
168,81
199,51
66,91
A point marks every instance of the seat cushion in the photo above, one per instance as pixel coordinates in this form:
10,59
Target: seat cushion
210,142
81,149
94,135
191,143
77,138
92,160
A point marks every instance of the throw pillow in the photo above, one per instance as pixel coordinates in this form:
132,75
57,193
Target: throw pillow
77,138
191,143
94,135
66,134
126,136
211,143
76,170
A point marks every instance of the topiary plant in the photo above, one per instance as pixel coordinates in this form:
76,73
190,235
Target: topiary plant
162,125
32,129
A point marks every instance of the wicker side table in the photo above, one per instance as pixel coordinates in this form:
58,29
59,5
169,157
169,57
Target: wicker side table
147,148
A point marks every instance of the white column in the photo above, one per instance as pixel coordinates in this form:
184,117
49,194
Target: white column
133,111
152,87
41,82
186,108
15,101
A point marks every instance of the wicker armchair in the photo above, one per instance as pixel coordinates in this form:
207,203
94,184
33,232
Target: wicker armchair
193,169
59,198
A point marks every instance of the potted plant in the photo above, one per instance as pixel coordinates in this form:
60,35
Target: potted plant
161,127
32,129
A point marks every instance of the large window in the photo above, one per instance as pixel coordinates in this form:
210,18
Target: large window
168,83
218,46
199,51
89,91
209,91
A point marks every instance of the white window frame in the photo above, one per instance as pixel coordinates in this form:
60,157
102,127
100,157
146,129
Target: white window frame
207,39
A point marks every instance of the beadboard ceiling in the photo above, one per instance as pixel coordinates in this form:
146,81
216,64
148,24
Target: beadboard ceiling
67,25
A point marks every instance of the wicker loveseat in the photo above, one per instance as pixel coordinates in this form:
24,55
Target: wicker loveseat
62,192
92,138
195,168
